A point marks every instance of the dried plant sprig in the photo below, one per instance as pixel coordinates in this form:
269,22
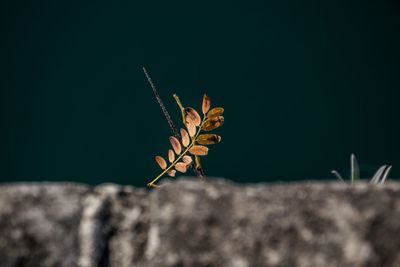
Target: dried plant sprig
191,141
379,177
198,171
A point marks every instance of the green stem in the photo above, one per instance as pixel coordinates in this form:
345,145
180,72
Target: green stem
178,101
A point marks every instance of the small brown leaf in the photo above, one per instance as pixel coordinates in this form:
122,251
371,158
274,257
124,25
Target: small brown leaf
205,107
181,167
191,128
175,144
199,150
211,124
161,162
192,115
171,173
215,112
208,139
185,137
187,159
171,155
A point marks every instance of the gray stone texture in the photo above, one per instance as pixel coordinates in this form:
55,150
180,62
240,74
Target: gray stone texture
195,223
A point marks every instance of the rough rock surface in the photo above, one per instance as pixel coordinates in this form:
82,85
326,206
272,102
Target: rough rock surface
194,223
39,224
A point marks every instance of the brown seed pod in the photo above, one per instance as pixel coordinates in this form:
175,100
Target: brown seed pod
185,137
215,112
211,124
171,155
192,115
191,128
199,150
187,159
181,167
205,107
171,173
161,162
208,139
175,144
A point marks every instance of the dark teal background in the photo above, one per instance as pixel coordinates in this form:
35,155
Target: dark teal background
304,84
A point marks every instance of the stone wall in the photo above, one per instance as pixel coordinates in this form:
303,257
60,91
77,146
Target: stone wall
193,223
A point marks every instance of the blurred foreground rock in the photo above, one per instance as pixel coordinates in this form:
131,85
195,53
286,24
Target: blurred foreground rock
193,223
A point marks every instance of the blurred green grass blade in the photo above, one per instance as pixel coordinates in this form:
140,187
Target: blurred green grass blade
355,169
378,174
337,175
386,174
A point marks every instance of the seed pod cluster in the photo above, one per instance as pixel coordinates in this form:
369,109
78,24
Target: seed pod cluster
191,143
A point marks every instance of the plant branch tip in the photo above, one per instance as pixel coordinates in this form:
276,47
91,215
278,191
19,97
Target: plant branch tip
191,142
